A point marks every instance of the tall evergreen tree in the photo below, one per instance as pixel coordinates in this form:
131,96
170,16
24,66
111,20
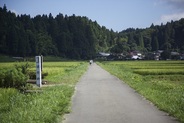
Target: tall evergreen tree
79,37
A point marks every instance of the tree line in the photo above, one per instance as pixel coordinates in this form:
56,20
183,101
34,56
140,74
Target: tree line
168,37
72,37
77,37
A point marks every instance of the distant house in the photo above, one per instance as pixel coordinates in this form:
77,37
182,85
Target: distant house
182,57
102,55
116,56
19,58
175,55
157,54
153,55
135,55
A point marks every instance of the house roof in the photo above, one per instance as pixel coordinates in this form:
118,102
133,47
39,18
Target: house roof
103,54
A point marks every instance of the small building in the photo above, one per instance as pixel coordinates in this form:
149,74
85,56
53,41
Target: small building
135,55
175,55
116,56
182,57
102,55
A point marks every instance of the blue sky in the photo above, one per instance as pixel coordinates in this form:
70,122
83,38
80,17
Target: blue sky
113,14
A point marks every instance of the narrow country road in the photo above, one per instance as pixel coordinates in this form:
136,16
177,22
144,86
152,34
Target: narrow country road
103,98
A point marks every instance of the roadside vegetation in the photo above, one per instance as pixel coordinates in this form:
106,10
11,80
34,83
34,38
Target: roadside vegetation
46,104
161,82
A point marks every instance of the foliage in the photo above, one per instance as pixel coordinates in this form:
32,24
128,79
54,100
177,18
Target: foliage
165,37
4,58
161,82
48,104
73,37
77,37
12,78
43,107
166,55
15,76
23,66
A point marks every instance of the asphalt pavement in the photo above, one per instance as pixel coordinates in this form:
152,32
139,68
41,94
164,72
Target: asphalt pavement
103,98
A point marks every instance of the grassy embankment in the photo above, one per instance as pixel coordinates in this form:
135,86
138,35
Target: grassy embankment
161,82
49,105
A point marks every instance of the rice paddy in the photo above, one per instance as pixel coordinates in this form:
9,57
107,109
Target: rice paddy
161,82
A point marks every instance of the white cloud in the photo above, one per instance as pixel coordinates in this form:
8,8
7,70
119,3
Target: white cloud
172,4
167,18
177,4
175,9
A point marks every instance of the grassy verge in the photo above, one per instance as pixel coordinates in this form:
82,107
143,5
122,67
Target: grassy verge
34,108
47,106
159,84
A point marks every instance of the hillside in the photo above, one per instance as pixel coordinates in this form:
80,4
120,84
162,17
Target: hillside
169,37
72,37
77,37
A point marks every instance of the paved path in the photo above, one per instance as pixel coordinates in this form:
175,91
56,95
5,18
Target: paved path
102,98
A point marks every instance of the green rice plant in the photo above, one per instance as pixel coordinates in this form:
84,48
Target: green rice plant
47,104
159,71
43,107
6,64
155,81
157,67
176,79
59,71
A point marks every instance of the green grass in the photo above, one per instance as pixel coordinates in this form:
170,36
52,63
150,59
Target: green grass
58,71
6,64
39,107
47,106
161,82
160,71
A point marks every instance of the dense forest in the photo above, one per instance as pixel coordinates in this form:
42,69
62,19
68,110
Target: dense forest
168,37
77,37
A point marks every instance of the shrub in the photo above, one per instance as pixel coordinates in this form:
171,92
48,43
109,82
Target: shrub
23,66
32,74
12,78
15,77
2,77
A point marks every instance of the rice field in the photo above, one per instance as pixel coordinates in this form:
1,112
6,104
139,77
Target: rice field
57,70
50,103
161,82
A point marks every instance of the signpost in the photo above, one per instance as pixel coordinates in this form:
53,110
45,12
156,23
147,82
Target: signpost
38,71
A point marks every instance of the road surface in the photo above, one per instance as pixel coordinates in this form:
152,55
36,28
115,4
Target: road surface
103,98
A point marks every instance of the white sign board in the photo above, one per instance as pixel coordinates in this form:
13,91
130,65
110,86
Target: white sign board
38,71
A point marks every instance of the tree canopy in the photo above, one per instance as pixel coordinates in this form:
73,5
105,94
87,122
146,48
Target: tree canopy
77,37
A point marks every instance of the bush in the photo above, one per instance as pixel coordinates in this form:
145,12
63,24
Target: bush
15,77
23,66
12,78
32,74
2,77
